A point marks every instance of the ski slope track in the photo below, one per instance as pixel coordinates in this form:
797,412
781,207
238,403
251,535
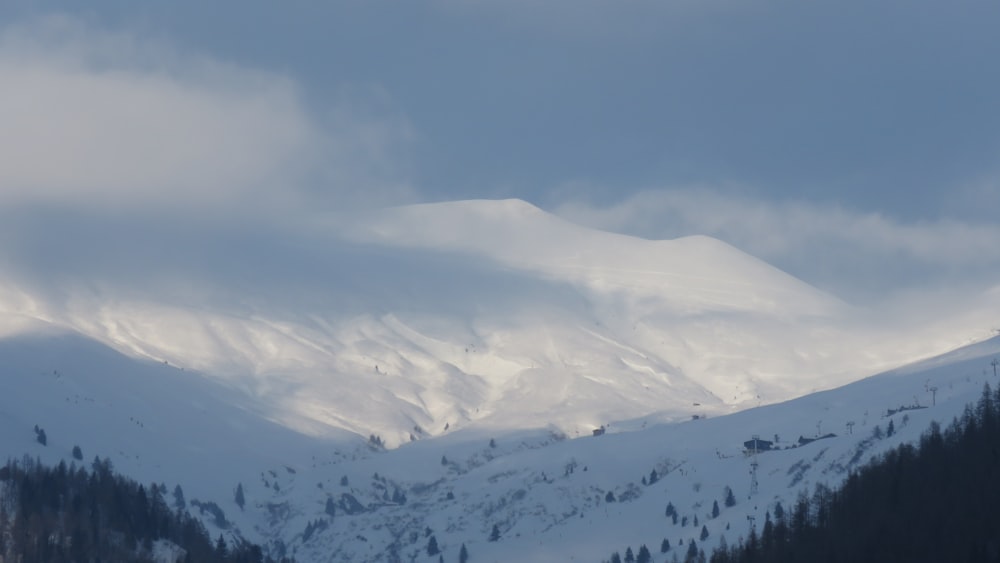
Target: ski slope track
481,342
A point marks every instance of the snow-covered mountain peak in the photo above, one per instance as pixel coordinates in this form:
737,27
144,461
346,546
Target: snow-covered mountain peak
416,321
690,274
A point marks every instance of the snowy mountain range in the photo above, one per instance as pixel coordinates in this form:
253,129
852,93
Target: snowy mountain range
442,368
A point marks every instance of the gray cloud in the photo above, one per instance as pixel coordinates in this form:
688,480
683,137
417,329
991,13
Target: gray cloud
879,106
857,254
129,167
590,19
98,121
105,120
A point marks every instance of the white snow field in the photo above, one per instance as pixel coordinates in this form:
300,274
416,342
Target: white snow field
441,327
546,492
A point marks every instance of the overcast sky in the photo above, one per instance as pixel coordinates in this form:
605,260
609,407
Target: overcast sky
854,144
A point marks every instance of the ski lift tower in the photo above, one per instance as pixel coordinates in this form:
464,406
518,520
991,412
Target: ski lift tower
753,466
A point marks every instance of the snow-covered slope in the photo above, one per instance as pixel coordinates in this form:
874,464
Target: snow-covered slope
482,342
417,321
152,419
546,493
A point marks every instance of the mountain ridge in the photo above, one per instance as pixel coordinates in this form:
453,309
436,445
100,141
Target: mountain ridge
442,316
518,234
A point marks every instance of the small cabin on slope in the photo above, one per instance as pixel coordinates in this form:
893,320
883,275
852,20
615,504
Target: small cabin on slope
758,445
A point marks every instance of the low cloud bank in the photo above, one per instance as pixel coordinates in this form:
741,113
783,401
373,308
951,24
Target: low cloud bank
859,255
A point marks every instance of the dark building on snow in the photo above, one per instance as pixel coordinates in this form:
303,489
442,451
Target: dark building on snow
757,444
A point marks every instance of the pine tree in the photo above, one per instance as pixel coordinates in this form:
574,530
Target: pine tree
238,496
331,508
692,552
398,496
615,558
715,509
495,534
653,477
730,498
432,546
179,502
665,545
704,533
644,555
629,556
463,555
891,430
723,546
767,534
77,453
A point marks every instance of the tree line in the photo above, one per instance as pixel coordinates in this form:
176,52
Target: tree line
72,514
935,501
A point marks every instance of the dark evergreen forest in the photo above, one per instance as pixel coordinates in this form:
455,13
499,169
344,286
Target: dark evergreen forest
936,501
71,514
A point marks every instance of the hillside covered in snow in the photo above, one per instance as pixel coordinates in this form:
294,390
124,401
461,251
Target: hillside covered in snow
527,495
438,371
415,321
